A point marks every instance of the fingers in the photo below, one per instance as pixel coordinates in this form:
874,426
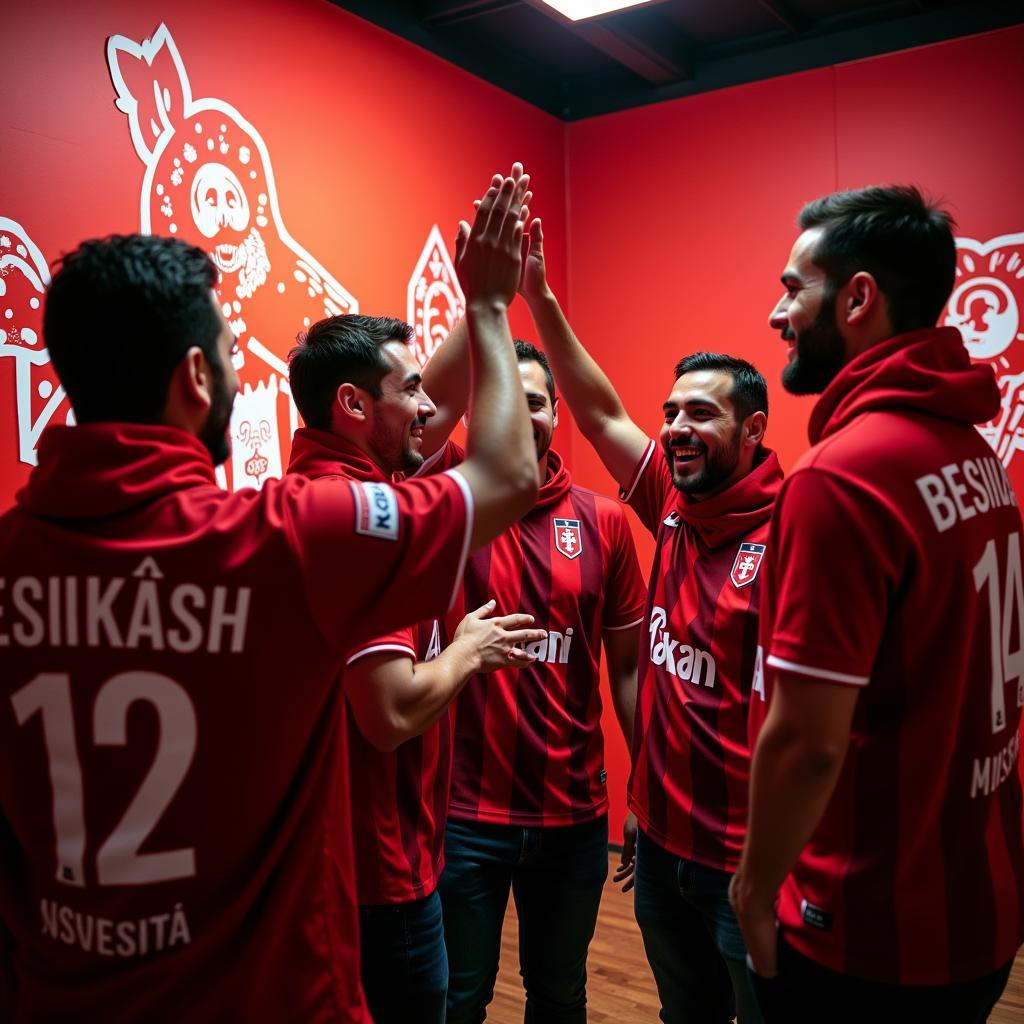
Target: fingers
518,620
512,226
496,207
536,236
461,238
523,636
483,611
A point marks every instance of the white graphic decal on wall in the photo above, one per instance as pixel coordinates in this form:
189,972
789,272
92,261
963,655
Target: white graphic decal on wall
208,176
38,397
435,300
987,305
255,454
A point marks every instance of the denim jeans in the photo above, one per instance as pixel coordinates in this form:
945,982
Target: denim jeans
804,992
405,969
556,876
692,939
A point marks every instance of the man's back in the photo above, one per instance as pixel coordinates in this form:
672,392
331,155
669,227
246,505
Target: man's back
172,729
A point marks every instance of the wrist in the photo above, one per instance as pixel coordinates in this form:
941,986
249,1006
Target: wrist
541,297
486,308
468,655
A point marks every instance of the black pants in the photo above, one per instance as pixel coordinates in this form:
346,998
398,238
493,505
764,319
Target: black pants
804,991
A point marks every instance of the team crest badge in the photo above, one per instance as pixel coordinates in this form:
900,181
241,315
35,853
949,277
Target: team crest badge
568,537
748,561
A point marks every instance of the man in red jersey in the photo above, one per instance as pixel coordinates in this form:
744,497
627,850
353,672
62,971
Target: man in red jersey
359,389
885,792
706,495
528,811
167,758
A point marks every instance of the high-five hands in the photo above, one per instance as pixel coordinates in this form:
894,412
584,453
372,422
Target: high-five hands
488,253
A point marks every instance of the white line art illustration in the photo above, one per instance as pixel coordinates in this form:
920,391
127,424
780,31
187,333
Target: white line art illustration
986,305
208,176
38,396
434,299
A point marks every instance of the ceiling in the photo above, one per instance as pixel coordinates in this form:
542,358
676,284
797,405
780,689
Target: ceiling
671,48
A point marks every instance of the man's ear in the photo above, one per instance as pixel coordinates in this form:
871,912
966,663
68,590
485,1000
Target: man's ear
352,402
754,427
554,413
860,298
189,392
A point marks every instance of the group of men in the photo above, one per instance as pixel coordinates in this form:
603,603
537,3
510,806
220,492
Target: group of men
283,755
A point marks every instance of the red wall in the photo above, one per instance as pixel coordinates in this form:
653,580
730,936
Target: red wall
666,227
681,216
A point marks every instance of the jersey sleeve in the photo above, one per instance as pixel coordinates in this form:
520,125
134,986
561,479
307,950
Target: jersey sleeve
448,456
625,592
376,556
650,488
399,642
835,564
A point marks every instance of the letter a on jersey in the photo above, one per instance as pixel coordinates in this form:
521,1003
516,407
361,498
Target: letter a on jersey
568,537
748,561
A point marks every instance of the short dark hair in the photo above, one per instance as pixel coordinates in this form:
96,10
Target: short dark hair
340,350
749,390
120,313
526,353
902,239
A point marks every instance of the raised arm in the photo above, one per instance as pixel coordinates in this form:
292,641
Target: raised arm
592,400
501,462
393,700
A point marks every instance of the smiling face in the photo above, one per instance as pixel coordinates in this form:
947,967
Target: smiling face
806,318
701,436
543,412
398,416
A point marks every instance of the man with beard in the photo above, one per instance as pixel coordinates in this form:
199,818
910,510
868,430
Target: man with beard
706,495
358,386
528,809
171,739
885,793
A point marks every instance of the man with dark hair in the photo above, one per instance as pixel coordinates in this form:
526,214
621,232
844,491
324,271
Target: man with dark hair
885,792
528,809
167,761
706,495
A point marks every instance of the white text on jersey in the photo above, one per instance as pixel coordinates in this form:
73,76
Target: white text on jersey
964,490
138,937
553,649
989,773
679,659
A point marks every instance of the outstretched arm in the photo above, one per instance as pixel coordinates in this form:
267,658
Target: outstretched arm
501,462
394,700
592,400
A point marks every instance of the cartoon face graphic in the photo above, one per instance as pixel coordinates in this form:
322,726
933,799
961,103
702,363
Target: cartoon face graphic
434,298
987,305
38,396
209,179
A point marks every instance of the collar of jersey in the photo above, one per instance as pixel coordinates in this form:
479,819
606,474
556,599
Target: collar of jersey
94,470
925,371
317,453
738,509
557,483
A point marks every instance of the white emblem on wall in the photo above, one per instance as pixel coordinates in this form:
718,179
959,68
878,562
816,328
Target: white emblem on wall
208,176
255,453
434,300
38,397
987,306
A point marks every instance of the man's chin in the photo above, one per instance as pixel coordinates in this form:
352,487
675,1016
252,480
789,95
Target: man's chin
799,379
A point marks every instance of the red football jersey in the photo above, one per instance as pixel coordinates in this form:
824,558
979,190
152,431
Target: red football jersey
894,566
691,761
528,743
172,731
400,798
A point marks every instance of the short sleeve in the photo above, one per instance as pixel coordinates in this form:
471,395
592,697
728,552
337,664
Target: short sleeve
625,592
399,642
834,564
376,556
650,488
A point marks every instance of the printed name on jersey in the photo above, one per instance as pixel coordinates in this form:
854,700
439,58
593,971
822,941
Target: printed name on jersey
680,660
568,537
990,772
376,509
745,567
105,937
553,649
944,492
672,519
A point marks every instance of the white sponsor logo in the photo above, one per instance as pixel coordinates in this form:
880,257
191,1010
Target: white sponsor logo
680,660
553,649
376,510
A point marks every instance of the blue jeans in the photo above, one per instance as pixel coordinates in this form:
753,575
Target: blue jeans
405,968
556,875
692,939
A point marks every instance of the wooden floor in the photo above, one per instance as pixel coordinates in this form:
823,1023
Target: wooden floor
621,990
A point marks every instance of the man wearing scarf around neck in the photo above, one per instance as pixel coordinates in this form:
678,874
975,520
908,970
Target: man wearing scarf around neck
706,495
885,813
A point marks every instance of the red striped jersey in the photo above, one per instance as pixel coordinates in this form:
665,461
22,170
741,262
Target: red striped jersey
691,761
400,798
171,725
528,743
895,566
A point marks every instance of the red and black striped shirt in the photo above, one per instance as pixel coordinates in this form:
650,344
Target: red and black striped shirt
529,749
691,761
